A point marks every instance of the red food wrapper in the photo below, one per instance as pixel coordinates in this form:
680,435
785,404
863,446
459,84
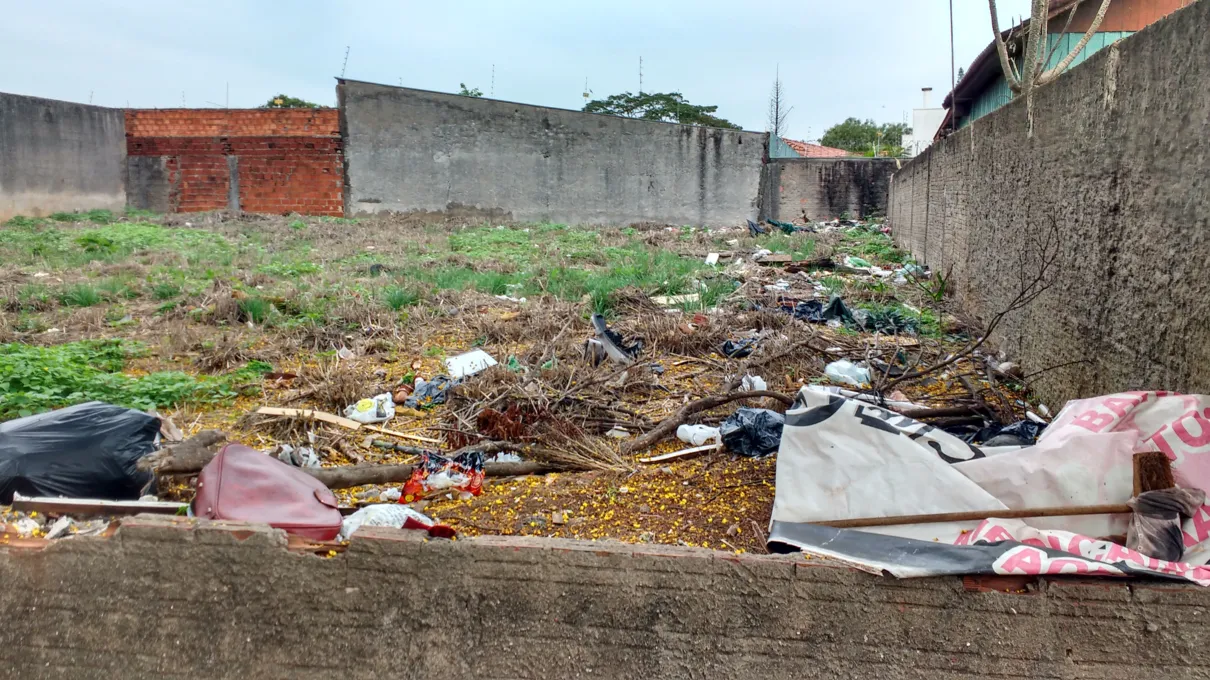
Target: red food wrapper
461,474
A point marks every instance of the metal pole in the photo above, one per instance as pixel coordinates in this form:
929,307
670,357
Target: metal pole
953,77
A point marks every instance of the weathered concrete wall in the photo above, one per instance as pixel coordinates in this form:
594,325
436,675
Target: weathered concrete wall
162,599
1120,164
826,188
58,157
410,150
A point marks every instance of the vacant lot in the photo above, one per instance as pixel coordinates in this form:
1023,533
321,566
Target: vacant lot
207,317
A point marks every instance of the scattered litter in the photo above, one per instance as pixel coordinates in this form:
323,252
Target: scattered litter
848,373
509,298
658,369
469,363
775,258
401,394
755,229
785,227
753,432
242,484
761,254
674,300
303,456
1022,433
1155,525
428,393
377,410
397,516
390,495
615,348
618,433
781,286
856,262
698,435
309,413
738,349
753,383
462,475
504,457
89,450
712,258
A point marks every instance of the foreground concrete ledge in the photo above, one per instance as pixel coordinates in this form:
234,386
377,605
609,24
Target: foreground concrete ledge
179,597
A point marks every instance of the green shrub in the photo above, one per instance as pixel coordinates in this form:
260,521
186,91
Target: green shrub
80,295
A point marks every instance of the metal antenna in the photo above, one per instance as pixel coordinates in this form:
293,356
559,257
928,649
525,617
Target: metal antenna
90,96
345,66
227,98
953,76
492,94
640,74
182,99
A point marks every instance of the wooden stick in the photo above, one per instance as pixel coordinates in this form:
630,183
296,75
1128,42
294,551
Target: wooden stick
972,515
401,435
348,476
1152,472
681,454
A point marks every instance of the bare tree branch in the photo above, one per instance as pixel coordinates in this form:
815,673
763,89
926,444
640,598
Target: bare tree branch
1059,68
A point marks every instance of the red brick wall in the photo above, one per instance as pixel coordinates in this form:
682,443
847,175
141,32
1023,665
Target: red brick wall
287,160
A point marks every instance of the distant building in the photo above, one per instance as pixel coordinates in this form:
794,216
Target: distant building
983,88
925,122
792,148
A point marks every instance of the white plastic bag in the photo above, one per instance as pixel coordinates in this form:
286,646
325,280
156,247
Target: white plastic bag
848,373
377,410
698,435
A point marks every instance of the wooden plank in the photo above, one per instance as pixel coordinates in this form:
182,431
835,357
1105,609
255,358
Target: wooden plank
1152,472
309,413
90,507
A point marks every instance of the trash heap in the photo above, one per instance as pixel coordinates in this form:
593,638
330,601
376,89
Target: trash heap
812,374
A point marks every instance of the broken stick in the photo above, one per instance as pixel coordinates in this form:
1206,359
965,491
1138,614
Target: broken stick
973,515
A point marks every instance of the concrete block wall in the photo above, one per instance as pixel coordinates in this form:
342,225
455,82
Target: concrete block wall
1119,163
59,157
411,150
175,597
257,160
826,188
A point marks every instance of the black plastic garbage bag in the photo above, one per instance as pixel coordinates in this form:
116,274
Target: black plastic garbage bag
84,451
754,229
837,309
809,310
1020,433
753,432
738,349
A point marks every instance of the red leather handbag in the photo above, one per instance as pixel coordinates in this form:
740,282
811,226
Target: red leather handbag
246,485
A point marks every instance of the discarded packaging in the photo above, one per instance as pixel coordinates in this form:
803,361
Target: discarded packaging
856,262
245,485
755,229
613,344
753,383
303,456
469,363
738,349
712,258
752,432
1155,525
462,475
698,435
427,393
377,410
393,515
84,451
846,372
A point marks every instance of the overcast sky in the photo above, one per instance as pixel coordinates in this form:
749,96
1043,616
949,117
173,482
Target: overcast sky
864,58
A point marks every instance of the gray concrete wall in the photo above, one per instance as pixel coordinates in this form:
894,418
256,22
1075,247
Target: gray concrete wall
410,150
1120,163
180,598
58,157
826,188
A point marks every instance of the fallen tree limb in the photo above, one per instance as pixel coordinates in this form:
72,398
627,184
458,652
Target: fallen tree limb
360,475
669,424
190,455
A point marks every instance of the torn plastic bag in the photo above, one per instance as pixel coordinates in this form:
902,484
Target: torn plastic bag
615,346
1155,524
836,310
245,485
1021,433
84,451
393,515
809,310
430,392
786,227
462,474
753,432
887,320
846,372
738,349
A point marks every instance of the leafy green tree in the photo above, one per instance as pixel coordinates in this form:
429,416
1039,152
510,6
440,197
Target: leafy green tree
863,137
469,92
669,107
282,101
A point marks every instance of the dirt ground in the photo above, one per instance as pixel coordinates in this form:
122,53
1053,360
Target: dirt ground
207,317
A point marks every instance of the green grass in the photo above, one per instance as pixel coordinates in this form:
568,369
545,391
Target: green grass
36,379
80,295
165,290
255,309
34,242
398,297
873,246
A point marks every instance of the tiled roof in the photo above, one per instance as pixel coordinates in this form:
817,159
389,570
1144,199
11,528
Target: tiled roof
807,150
